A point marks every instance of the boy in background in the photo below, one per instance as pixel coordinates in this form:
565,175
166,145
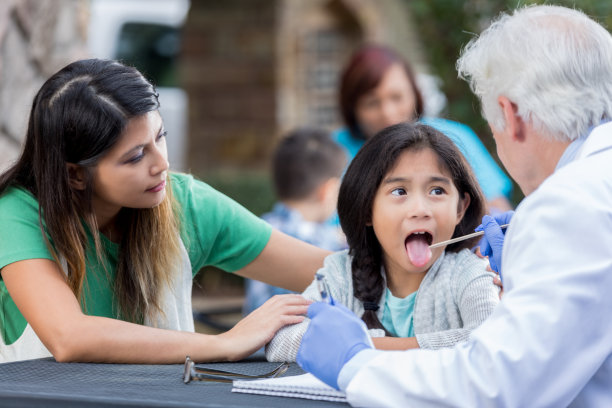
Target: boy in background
307,167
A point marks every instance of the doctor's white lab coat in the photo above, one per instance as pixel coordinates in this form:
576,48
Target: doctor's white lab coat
549,342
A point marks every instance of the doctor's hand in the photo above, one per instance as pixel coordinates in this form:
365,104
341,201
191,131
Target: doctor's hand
492,242
333,337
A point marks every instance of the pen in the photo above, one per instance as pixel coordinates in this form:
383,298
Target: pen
462,238
323,289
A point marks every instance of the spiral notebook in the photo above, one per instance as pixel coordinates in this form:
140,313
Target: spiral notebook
297,386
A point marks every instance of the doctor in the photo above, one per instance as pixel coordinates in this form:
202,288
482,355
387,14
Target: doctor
544,77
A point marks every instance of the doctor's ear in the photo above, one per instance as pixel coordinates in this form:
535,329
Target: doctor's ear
514,123
76,176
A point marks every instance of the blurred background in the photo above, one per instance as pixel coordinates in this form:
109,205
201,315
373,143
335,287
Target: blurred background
235,75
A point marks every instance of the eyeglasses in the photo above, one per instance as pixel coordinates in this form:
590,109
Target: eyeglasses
209,374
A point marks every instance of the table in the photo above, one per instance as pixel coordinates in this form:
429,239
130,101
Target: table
47,383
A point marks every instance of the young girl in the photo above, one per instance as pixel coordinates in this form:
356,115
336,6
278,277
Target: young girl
407,188
99,244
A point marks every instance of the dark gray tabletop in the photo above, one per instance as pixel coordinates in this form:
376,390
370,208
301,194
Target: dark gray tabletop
46,383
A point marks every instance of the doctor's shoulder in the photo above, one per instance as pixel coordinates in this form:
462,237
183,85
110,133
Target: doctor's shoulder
576,191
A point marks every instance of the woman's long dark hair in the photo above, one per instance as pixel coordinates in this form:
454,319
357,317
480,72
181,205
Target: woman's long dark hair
77,116
360,184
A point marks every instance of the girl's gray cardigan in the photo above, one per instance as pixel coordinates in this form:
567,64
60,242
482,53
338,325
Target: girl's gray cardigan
456,296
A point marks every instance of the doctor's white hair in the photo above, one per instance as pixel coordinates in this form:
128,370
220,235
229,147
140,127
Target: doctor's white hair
553,63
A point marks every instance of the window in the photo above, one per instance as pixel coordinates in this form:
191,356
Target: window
153,49
322,56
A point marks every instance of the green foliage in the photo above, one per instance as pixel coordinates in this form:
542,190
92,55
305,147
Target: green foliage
445,26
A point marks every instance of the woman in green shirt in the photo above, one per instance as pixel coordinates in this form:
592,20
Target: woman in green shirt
99,243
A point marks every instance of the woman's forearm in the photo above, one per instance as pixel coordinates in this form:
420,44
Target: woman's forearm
100,339
286,262
39,290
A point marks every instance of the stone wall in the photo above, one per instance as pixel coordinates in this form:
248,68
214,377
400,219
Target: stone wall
228,70
37,37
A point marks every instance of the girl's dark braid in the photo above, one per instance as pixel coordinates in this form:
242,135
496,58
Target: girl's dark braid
368,283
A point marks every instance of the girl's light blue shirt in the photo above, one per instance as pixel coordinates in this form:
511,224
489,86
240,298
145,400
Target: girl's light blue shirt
397,317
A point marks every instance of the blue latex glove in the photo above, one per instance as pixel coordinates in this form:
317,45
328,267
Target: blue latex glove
333,337
492,242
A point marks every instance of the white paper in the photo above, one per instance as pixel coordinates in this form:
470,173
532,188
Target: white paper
297,386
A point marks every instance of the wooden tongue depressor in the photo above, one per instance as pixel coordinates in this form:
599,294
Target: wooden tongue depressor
462,238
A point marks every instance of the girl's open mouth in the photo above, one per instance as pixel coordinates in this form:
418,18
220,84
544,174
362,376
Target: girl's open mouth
417,246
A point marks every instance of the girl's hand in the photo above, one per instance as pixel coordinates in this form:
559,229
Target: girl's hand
260,326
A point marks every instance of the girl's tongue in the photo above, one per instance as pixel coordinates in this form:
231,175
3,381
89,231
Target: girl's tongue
418,249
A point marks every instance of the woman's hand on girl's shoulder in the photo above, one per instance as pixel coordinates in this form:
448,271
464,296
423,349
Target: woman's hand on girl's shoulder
260,326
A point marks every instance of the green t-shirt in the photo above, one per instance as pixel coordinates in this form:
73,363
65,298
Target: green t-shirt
398,314
215,230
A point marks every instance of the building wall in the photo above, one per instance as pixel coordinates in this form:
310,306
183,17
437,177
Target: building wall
37,37
255,69
228,72
314,40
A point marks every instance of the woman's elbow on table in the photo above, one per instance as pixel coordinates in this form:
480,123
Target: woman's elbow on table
67,344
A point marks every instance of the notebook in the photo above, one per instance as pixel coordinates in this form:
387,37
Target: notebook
297,386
